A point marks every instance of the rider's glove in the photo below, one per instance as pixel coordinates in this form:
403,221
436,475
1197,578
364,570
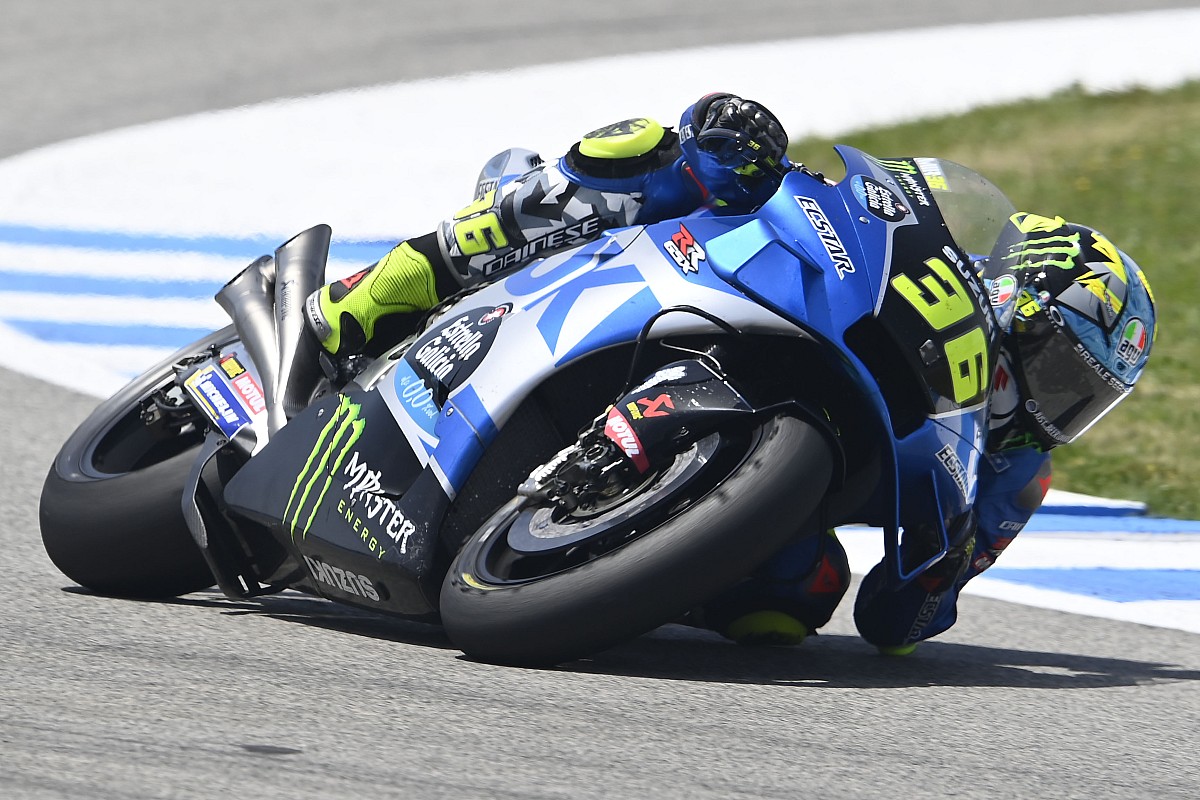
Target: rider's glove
738,133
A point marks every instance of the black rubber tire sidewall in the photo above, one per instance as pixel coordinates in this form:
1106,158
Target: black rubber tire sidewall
655,578
124,534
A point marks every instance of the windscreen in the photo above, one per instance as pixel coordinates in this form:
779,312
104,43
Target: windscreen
974,209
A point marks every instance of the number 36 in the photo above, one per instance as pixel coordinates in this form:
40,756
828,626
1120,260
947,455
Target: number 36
942,300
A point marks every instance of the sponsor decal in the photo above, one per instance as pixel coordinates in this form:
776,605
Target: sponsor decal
443,354
1002,290
975,286
617,429
250,392
684,250
446,356
931,170
954,468
353,280
341,579
925,615
900,166
232,366
285,292
1044,422
217,400
646,407
1133,342
988,557
983,561
1004,399
625,127
879,200
418,398
906,176
828,236
582,231
366,505
495,314
329,452
1113,382
913,189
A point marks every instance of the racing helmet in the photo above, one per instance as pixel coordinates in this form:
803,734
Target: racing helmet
1082,327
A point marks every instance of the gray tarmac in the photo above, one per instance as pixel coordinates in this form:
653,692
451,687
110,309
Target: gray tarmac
294,697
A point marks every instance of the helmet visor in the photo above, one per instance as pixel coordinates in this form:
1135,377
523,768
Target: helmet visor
1067,389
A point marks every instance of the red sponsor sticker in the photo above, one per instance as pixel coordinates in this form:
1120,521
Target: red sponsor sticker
352,281
654,408
618,429
250,392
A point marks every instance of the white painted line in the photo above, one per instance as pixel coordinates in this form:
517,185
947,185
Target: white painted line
103,310
1183,615
369,165
127,264
97,370
864,547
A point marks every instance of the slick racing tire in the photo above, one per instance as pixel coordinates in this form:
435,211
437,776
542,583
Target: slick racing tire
111,507
744,496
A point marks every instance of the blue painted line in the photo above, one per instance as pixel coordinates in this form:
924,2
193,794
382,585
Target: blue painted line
83,333
111,287
246,248
1118,585
1102,522
1095,510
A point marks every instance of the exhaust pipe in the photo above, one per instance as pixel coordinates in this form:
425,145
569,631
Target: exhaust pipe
266,303
299,271
248,299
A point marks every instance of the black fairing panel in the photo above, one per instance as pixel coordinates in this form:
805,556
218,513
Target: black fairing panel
340,488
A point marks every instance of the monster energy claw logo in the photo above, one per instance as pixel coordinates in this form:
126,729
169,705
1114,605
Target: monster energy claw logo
1053,249
1045,251
622,128
336,440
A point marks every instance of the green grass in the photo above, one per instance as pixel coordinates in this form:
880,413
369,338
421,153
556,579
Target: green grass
1127,164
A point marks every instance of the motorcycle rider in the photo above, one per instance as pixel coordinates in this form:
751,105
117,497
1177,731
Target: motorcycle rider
1078,341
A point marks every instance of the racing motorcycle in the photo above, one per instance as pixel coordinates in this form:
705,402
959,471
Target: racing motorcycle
580,451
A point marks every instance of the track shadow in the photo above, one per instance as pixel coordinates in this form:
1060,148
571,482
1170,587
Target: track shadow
296,607
679,653
839,661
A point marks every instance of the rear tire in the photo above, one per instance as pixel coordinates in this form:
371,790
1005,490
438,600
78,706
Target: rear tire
111,507
735,521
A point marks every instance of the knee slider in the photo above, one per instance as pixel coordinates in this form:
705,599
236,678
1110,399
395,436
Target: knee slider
624,149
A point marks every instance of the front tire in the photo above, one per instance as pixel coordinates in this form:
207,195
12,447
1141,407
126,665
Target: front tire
497,606
111,507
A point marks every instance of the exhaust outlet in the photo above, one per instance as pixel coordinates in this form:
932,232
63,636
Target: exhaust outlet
248,299
299,271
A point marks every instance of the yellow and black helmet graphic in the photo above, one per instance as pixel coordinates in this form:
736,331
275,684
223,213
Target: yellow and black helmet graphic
1078,267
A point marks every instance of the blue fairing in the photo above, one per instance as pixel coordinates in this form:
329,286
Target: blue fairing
823,257
828,277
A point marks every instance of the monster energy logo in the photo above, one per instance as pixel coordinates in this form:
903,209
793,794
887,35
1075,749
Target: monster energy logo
894,165
1046,251
335,442
1050,250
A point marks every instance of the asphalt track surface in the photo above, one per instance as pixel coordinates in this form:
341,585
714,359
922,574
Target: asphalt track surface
295,697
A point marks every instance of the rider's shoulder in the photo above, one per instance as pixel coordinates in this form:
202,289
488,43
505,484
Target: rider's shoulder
623,149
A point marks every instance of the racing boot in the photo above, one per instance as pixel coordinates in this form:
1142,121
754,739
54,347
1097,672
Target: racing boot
791,596
376,307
